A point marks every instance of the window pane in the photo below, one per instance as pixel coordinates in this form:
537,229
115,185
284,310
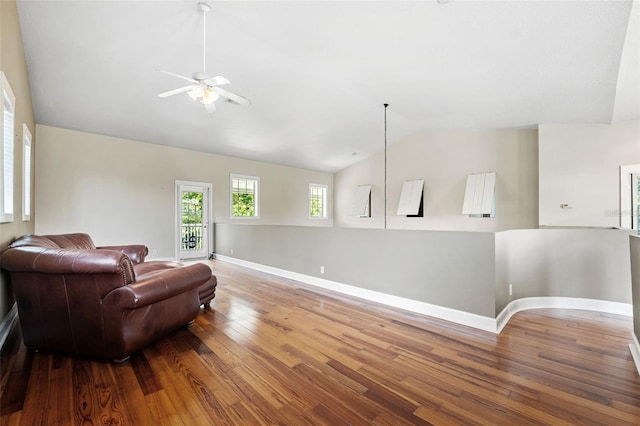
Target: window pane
637,200
317,201
26,173
244,196
8,110
192,213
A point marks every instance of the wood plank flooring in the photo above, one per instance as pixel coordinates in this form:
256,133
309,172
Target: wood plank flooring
274,351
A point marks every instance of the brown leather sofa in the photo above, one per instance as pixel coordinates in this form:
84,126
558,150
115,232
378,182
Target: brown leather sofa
100,301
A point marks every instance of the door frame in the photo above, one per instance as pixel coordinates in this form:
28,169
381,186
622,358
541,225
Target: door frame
208,188
627,191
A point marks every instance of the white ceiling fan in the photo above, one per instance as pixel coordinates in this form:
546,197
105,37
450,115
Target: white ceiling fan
204,87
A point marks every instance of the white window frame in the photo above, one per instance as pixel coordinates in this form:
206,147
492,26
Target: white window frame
324,189
256,197
26,173
628,196
7,148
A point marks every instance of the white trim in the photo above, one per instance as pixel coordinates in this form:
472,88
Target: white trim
635,352
7,189
626,190
459,317
527,303
8,323
27,175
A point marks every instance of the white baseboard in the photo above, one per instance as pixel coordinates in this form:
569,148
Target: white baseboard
7,324
527,303
448,314
635,352
493,325
161,259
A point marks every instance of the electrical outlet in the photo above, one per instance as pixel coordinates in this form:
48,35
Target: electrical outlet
322,269
510,289
231,251
154,251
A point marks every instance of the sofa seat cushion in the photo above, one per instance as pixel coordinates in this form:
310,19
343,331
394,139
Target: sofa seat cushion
206,291
150,266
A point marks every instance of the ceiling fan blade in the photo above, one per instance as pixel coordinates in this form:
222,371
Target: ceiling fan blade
218,80
189,79
210,108
232,96
174,92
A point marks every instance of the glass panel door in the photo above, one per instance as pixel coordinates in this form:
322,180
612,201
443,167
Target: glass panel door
194,224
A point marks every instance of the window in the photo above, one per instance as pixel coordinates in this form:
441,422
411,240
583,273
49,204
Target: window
630,197
6,152
411,199
636,202
244,196
362,201
479,195
26,173
317,201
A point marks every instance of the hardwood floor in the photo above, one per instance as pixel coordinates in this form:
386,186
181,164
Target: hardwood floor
274,351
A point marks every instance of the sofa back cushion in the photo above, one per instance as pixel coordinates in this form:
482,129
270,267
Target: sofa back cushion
34,241
76,241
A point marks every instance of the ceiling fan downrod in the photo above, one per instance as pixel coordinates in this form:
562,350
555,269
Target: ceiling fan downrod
205,8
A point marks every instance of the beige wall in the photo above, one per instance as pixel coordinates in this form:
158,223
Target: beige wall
12,63
465,271
580,166
579,263
444,158
123,191
422,266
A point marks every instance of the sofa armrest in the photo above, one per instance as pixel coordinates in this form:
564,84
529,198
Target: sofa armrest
66,261
136,252
157,286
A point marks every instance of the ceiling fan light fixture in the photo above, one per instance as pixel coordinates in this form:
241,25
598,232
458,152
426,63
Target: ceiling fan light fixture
196,93
209,96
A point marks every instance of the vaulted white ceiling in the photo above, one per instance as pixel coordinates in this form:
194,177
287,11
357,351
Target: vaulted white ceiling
319,72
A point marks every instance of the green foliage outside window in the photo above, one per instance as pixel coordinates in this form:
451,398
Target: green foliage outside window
316,207
243,204
317,197
191,207
192,214
244,197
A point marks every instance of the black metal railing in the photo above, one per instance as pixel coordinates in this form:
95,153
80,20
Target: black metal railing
192,236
